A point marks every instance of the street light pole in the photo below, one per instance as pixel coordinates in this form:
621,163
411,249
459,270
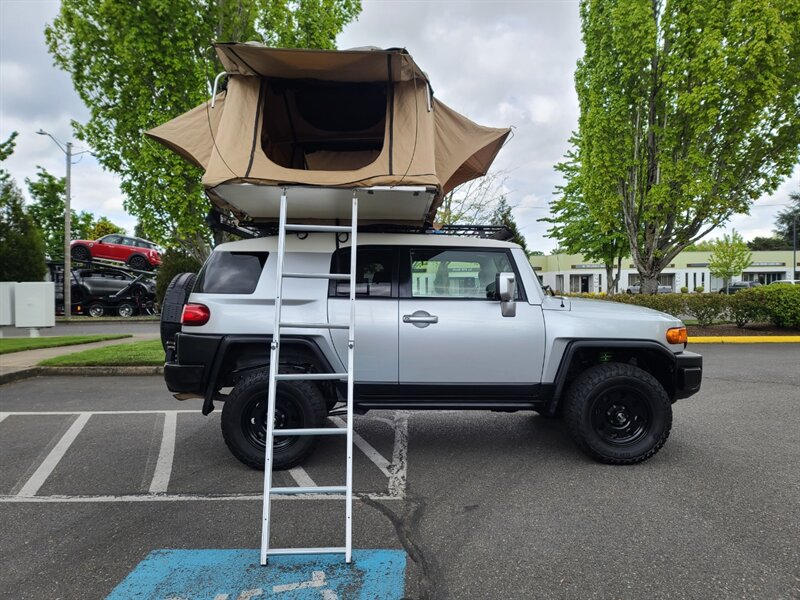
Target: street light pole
67,225
794,247
68,236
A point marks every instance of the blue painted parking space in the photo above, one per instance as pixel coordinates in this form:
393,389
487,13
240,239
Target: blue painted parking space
237,575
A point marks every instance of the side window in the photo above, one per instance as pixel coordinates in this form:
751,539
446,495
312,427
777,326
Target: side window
112,239
445,273
375,272
231,273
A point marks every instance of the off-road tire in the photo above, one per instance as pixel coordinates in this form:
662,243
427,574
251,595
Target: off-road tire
247,402
80,254
609,401
175,297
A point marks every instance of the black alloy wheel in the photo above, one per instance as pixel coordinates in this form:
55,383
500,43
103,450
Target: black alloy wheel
138,262
80,253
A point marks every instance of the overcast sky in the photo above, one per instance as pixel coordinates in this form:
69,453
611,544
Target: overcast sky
499,62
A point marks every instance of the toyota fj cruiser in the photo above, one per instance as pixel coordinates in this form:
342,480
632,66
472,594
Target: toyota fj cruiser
442,322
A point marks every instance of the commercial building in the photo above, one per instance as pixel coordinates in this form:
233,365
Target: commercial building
573,273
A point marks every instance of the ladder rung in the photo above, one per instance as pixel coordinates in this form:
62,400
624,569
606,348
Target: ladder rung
316,325
314,489
311,431
309,376
282,551
338,276
320,228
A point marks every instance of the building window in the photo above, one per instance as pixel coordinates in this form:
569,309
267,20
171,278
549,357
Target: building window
599,283
560,283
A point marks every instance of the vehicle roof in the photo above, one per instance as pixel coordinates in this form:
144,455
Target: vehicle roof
325,242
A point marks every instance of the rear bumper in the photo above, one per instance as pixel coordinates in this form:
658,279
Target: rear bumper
197,353
688,374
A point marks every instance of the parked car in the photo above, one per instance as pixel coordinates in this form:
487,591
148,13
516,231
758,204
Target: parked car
739,286
137,253
101,291
443,323
786,282
662,289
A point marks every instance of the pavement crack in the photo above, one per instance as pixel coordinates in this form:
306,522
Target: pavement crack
407,529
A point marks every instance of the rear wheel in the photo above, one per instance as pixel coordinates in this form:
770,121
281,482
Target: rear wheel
297,405
618,414
175,297
126,309
96,310
137,262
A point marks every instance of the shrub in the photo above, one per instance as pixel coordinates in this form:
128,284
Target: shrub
706,308
699,289
782,304
684,290
747,306
172,263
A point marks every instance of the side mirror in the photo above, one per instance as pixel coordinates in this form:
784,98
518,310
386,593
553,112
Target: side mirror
506,286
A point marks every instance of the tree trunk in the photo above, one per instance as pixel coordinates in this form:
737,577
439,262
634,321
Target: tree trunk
610,279
648,284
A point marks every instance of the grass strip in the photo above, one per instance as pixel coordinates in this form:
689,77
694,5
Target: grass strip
142,354
8,345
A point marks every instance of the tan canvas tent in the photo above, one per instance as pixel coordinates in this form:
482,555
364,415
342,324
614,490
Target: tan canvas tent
329,119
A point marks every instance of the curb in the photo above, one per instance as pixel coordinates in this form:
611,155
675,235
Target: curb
79,371
746,339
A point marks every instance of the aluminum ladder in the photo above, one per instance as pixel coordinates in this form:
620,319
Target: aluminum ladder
275,377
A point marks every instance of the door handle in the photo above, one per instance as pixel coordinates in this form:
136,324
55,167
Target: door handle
420,319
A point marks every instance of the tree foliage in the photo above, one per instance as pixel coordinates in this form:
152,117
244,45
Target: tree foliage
784,222
730,257
502,216
138,64
21,245
690,110
103,226
768,243
585,222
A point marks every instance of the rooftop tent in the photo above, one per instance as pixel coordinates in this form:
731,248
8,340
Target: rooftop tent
363,118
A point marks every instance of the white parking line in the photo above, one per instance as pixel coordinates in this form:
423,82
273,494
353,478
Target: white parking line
366,448
56,454
396,470
166,454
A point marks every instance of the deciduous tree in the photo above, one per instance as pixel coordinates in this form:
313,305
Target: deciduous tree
138,64
729,258
690,110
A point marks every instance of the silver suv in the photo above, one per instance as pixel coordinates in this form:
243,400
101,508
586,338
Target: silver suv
442,322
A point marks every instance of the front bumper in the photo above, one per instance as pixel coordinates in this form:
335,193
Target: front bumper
688,374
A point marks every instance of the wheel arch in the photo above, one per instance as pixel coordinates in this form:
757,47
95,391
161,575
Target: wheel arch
241,354
579,355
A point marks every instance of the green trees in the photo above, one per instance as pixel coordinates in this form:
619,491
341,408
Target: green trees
689,112
502,216
47,210
139,64
21,246
784,223
729,258
585,222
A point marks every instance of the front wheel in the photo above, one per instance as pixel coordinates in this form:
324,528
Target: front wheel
618,414
96,310
126,309
297,405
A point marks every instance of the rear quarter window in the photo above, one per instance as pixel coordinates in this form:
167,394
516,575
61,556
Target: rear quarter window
231,273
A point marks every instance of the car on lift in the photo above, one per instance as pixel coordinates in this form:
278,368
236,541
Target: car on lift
135,252
109,291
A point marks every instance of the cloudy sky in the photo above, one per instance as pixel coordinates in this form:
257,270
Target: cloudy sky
499,62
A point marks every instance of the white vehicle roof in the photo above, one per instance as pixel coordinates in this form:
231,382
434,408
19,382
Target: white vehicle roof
325,242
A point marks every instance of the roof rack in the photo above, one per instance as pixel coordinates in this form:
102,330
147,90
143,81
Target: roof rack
219,222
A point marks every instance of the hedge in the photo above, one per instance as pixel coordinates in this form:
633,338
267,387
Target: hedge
776,304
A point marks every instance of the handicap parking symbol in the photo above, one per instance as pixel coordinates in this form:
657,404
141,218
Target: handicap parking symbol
237,575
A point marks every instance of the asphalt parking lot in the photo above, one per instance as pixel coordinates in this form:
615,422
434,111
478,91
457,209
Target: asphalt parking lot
485,505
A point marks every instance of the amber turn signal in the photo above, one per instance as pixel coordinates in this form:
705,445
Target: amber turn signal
677,335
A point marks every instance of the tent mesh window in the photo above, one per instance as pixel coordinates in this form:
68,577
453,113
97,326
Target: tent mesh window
323,126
